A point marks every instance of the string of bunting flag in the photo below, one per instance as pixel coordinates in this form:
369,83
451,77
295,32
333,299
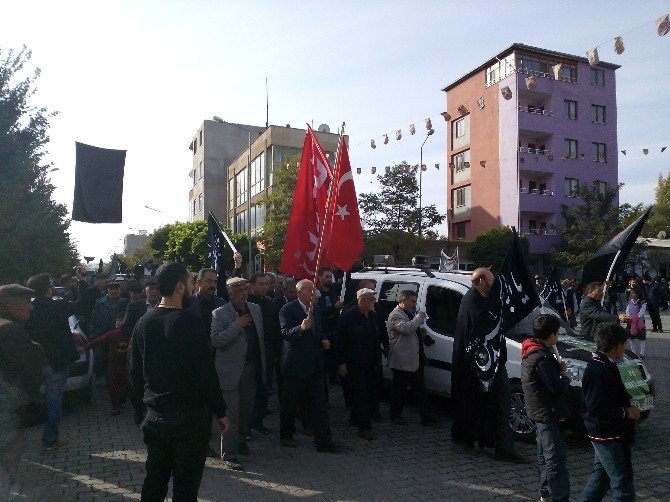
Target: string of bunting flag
662,28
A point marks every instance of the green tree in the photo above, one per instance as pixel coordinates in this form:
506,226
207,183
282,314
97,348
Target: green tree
278,208
402,245
659,219
396,206
588,226
33,227
489,248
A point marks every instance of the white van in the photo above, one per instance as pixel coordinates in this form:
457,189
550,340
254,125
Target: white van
441,293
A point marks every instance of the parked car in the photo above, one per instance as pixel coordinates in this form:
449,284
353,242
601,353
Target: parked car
441,293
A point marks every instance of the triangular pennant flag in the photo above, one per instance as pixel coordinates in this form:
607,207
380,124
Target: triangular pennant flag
618,45
437,166
663,25
663,148
423,167
623,151
429,124
506,93
373,170
466,165
412,129
373,144
530,83
557,71
358,170
592,56
387,169
581,155
398,134
386,139
645,151
406,168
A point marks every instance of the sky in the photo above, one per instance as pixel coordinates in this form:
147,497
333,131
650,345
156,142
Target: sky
143,75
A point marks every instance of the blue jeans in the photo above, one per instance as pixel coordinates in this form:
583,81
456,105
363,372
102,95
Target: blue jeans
612,468
54,386
552,456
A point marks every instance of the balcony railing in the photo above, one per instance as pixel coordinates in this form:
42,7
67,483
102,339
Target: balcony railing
537,110
536,151
535,191
538,231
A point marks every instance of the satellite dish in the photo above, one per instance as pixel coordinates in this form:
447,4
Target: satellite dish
324,128
662,234
89,259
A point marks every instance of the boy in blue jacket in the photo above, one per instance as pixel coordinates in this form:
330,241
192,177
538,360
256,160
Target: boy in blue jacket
545,382
609,418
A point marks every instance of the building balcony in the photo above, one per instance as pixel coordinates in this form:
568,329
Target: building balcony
538,231
536,191
532,160
541,202
541,240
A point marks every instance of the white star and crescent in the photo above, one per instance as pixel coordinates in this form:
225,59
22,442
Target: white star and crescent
342,211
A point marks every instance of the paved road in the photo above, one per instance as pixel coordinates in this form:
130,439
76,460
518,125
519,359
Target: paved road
104,459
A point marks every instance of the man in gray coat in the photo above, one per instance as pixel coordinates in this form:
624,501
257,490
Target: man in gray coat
406,358
237,336
591,311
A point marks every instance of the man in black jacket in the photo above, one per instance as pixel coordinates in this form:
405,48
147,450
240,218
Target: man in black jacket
609,418
545,383
49,326
302,367
172,368
358,354
592,313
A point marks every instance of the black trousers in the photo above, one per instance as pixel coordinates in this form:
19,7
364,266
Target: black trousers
414,380
177,452
363,384
310,393
655,315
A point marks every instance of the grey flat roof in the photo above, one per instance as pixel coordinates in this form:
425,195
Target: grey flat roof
529,48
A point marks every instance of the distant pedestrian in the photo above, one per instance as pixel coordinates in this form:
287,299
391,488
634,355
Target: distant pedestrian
103,320
171,366
635,310
654,299
545,383
609,418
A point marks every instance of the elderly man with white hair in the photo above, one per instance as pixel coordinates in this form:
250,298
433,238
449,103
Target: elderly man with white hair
302,367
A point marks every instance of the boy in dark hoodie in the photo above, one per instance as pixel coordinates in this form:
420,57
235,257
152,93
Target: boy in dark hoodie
609,418
545,382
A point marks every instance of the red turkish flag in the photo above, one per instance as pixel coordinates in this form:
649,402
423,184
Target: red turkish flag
346,241
308,213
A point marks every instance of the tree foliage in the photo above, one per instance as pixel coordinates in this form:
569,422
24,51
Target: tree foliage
588,226
396,206
489,248
33,227
278,208
402,245
659,219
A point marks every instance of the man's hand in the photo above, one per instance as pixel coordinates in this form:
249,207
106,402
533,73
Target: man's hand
306,324
337,305
224,423
325,344
633,413
243,320
623,318
422,314
342,370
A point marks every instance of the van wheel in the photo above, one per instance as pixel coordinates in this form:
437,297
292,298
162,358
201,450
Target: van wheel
522,426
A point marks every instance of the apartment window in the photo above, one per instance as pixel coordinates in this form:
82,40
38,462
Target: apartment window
460,197
599,152
195,146
600,186
459,160
533,64
258,175
543,227
570,150
459,127
194,209
200,170
200,136
241,221
200,203
597,77
257,218
571,187
459,230
532,226
231,193
241,187
597,114
570,109
569,72
193,175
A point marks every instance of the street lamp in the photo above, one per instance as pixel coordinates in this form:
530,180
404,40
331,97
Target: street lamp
430,133
248,218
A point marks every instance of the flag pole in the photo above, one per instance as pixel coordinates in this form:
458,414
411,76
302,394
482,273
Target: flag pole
327,216
609,273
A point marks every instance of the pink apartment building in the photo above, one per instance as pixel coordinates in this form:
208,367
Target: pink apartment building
525,128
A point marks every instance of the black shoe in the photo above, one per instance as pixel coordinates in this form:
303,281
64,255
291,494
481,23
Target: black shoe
398,421
289,442
327,448
243,449
261,429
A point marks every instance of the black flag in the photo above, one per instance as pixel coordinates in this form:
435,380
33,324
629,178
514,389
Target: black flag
552,293
98,184
613,255
512,298
218,247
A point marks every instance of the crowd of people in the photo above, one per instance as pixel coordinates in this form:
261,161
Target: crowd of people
186,354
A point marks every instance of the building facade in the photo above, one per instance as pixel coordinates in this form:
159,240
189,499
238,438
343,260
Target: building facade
526,128
133,242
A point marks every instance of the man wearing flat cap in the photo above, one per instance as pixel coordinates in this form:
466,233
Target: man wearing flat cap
358,353
237,336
